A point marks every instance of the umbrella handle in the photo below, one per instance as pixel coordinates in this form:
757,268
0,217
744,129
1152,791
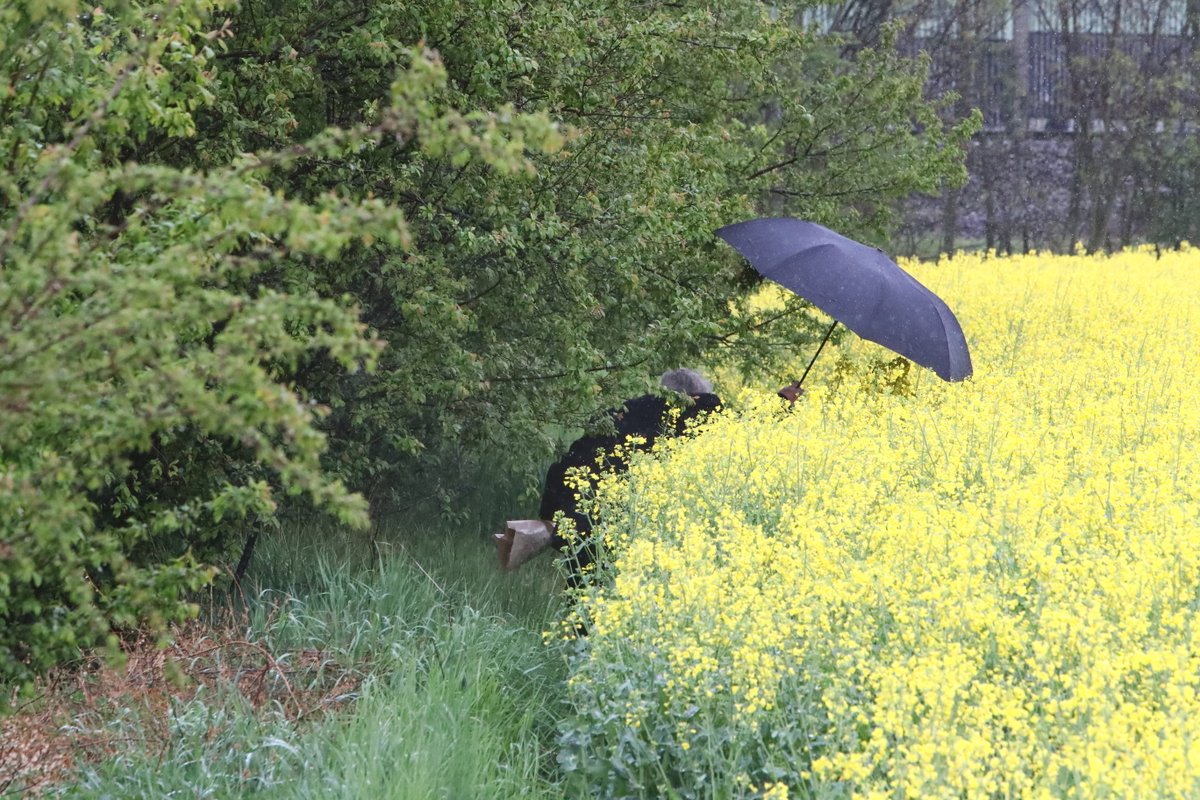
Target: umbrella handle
828,333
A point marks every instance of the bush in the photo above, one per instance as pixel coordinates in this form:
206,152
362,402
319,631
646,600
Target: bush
144,410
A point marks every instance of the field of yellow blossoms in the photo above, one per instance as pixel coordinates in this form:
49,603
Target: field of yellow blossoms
904,588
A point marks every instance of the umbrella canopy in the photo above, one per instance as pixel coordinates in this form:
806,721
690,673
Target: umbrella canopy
858,286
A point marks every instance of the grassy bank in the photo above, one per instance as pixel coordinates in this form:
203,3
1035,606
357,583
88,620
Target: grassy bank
403,664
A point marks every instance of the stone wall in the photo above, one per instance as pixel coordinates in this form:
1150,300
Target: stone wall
1020,194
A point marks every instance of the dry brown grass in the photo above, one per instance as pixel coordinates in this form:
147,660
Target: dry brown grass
65,724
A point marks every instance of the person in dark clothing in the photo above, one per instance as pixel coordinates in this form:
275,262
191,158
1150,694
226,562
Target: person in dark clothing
644,418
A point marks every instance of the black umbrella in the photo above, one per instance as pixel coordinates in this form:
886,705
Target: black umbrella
858,286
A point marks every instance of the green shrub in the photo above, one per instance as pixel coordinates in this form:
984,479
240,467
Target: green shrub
144,410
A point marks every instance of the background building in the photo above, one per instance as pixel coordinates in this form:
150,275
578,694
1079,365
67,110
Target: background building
1090,114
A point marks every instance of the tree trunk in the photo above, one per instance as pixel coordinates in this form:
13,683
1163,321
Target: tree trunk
1081,143
1018,126
244,562
950,220
988,179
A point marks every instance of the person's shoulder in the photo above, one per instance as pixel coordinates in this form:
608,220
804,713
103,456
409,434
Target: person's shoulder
698,406
640,415
644,403
702,403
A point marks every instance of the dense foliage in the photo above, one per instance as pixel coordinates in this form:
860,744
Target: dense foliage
216,218
906,588
544,294
143,412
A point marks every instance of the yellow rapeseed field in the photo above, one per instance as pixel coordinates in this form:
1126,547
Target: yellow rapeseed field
904,588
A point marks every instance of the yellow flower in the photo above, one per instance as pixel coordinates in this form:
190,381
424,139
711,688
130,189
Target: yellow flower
981,589
775,791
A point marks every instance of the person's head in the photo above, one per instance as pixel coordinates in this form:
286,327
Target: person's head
686,381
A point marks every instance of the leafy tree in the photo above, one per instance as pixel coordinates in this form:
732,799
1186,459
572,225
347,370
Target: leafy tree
1113,87
214,220
529,298
1131,80
135,320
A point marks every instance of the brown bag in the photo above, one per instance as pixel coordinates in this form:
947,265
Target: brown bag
521,540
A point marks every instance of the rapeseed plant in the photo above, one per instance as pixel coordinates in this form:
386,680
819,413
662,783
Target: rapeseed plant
906,588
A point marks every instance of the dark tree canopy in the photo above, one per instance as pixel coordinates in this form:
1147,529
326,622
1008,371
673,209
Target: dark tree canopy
547,292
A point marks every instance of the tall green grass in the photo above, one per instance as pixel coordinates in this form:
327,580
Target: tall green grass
450,690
